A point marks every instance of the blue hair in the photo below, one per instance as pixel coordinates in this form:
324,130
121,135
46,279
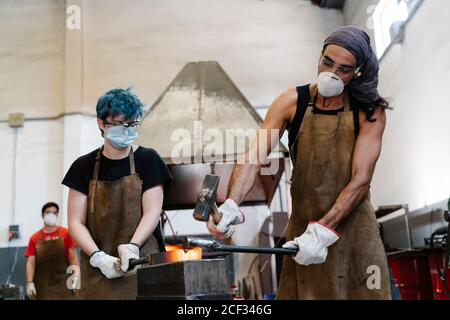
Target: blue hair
119,102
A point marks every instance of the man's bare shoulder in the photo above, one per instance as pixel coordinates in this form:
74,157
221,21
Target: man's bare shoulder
288,97
285,105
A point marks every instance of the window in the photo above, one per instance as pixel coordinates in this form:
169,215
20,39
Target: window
389,20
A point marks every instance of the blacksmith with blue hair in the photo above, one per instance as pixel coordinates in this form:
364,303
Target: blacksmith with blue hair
115,200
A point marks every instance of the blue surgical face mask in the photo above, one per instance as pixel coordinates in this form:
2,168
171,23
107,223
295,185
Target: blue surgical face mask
121,137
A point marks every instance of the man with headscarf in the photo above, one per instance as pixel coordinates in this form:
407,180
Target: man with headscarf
335,129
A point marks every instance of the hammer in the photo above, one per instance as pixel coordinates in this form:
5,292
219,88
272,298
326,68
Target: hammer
206,203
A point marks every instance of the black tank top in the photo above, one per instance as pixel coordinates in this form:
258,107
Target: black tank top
303,99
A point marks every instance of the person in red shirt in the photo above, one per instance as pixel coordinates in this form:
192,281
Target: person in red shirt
50,252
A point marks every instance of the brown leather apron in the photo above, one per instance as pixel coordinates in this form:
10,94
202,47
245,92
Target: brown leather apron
114,212
51,270
322,168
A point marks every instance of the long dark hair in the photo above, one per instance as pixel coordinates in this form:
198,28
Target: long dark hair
370,108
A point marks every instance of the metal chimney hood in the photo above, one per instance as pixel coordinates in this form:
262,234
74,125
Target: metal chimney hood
203,102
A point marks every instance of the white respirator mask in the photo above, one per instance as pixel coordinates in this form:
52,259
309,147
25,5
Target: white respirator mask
329,85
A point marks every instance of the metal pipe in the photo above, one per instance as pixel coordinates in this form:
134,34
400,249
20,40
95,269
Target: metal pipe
273,262
258,250
190,242
408,227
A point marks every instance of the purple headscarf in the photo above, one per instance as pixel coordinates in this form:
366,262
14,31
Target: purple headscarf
363,89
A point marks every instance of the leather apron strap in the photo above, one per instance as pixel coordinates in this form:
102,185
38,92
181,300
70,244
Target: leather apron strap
97,170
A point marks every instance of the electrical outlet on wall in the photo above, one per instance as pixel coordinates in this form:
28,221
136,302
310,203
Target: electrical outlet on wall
16,120
14,233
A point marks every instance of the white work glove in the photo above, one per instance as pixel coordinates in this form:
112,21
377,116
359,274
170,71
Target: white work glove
313,244
126,253
31,290
106,264
231,215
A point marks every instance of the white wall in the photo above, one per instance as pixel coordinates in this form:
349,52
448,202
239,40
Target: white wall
265,46
358,13
413,168
44,152
414,74
38,175
414,165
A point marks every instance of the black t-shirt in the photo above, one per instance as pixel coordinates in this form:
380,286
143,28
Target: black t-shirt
151,169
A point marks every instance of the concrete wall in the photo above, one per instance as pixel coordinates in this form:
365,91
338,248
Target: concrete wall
38,171
32,37
265,46
413,168
358,13
147,43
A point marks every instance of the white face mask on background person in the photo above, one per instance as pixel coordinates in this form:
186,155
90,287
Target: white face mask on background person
329,85
50,219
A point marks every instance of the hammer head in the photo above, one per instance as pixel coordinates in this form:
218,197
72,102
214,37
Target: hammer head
206,198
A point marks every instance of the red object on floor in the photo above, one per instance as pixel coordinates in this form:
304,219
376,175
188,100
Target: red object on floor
440,288
411,271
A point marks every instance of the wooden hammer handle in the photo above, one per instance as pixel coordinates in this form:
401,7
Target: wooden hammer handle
216,215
